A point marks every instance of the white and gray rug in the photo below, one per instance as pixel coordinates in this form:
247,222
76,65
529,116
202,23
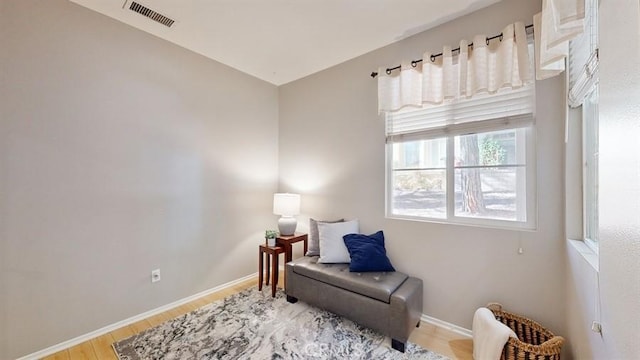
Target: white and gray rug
253,325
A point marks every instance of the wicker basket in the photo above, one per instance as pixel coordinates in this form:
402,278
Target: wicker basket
534,342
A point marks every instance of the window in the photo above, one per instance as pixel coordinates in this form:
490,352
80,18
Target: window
583,95
469,161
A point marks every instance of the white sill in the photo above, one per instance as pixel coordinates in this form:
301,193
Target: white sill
477,223
586,252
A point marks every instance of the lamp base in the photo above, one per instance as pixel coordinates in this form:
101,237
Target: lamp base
287,225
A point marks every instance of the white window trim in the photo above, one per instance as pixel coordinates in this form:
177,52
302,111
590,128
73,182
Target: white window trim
531,190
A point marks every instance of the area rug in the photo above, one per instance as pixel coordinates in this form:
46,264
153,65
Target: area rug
253,325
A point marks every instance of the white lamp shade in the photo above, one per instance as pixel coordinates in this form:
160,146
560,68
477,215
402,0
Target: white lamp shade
286,204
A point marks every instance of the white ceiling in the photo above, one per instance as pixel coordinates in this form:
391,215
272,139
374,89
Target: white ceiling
284,40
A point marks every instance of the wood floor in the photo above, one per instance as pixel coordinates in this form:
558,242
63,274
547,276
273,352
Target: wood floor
428,336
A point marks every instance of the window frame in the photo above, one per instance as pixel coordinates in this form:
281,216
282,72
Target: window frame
451,218
583,97
585,118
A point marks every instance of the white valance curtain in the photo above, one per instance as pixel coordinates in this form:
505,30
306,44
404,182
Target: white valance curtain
484,68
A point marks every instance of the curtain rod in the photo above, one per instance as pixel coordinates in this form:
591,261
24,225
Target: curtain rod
414,63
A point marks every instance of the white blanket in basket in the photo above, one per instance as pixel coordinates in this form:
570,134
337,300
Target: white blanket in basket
489,335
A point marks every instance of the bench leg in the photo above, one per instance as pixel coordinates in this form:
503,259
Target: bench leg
397,345
292,299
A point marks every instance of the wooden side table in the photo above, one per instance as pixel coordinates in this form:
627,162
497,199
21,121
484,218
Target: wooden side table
272,266
286,242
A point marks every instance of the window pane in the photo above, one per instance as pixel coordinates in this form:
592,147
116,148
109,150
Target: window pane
490,148
420,154
490,175
418,178
419,193
590,139
490,193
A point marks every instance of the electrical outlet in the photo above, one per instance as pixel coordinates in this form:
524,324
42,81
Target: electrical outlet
155,275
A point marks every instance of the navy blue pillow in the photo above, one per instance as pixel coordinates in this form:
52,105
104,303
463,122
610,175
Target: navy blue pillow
367,252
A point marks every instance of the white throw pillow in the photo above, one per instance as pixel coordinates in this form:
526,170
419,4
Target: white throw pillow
332,247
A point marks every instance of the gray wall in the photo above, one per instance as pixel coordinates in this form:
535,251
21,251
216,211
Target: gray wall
332,151
120,153
615,289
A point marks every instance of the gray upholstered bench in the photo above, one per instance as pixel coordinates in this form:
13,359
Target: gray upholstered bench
389,302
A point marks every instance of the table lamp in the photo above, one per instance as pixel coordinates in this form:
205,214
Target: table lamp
287,205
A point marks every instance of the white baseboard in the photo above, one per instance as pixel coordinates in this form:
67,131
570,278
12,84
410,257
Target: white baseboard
445,325
82,338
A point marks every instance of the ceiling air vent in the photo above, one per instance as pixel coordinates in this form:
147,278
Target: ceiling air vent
145,11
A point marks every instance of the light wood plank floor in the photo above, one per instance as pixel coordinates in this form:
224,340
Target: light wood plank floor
428,336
